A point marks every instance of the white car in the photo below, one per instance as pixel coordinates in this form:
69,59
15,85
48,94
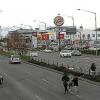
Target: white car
33,54
47,51
65,53
14,59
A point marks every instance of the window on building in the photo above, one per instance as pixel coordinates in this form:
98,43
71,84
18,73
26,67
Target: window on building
98,35
88,36
78,36
83,36
93,35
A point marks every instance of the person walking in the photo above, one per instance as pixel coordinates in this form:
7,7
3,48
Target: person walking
65,80
70,83
75,83
93,69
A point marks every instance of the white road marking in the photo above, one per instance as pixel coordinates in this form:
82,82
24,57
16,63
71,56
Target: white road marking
5,74
45,80
39,98
79,96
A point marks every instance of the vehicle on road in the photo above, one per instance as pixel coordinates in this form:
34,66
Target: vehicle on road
76,53
34,54
94,48
1,79
14,59
65,53
47,51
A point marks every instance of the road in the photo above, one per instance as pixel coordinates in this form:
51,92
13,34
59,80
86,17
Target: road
80,63
28,82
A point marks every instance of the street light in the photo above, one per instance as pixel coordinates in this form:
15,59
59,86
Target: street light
73,25
44,24
95,25
45,31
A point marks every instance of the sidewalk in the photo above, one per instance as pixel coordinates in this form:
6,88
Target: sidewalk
88,90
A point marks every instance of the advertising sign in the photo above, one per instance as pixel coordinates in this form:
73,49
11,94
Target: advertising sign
61,36
45,36
58,21
34,42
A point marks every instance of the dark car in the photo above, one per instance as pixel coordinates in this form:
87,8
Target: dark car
1,79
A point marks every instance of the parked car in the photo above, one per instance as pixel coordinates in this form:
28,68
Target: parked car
94,48
1,79
65,53
34,54
47,51
14,59
68,47
76,53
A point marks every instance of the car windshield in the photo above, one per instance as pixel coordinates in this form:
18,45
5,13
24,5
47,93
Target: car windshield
15,56
65,51
76,51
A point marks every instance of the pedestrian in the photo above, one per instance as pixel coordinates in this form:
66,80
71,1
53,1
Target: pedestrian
65,80
70,83
75,83
93,68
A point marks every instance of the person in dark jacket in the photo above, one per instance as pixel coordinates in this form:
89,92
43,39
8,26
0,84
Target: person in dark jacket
65,80
75,83
93,68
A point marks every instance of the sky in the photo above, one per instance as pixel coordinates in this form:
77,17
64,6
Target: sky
33,12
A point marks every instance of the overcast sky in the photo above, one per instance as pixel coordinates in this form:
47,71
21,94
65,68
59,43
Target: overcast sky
16,12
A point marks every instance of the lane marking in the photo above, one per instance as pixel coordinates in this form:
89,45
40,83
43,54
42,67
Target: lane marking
79,96
45,80
39,98
5,74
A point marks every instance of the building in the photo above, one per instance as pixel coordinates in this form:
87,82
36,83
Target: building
20,40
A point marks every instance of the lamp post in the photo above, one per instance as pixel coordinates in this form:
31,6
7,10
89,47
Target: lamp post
95,26
73,25
45,31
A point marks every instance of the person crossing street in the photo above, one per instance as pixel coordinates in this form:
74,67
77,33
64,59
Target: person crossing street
65,80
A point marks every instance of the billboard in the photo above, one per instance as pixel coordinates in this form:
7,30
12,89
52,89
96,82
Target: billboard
60,36
71,30
45,36
34,42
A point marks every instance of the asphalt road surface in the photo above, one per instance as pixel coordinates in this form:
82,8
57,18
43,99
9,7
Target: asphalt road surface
28,82
80,63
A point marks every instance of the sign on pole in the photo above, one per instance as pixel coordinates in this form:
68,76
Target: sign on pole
58,21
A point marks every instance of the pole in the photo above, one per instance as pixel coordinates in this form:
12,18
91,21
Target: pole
96,34
73,26
45,32
95,26
59,37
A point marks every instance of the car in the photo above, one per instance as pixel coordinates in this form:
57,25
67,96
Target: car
94,48
1,79
65,53
47,51
76,53
34,54
68,47
14,59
